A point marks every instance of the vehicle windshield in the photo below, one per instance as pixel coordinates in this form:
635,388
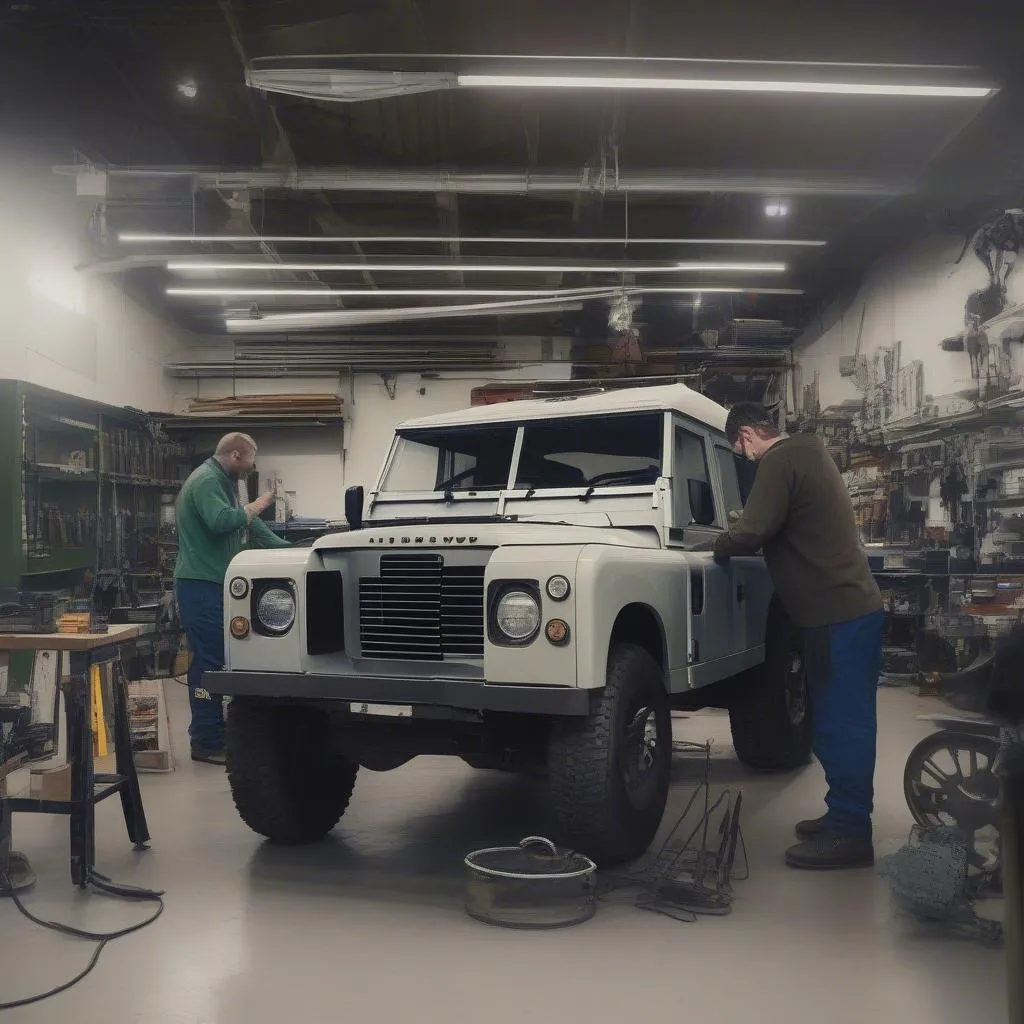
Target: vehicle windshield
464,459
609,451
581,452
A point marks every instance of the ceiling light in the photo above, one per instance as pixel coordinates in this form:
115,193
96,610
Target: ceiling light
479,268
353,78
187,88
776,208
371,293
720,85
391,293
143,237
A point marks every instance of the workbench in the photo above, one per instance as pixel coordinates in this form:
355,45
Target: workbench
84,650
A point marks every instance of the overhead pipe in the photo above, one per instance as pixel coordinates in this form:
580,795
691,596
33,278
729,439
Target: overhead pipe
361,317
94,181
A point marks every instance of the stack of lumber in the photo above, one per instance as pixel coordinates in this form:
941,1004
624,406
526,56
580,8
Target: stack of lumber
261,406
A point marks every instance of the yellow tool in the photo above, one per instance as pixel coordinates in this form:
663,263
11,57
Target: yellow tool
99,724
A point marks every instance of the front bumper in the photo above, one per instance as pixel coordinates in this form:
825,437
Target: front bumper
457,695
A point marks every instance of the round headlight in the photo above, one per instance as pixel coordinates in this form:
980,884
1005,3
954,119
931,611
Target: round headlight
517,615
239,587
275,610
558,588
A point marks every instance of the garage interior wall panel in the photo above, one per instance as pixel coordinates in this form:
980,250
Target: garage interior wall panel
63,328
915,298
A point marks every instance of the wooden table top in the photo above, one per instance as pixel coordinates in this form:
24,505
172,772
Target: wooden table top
66,641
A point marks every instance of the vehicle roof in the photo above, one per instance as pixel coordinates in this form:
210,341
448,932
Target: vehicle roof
666,398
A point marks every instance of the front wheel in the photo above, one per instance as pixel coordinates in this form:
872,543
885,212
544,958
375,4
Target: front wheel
770,714
286,780
609,772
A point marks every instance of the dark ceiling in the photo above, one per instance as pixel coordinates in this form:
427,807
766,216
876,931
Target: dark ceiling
97,78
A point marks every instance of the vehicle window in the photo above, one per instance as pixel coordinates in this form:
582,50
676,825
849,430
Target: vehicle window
728,466
459,460
690,464
611,451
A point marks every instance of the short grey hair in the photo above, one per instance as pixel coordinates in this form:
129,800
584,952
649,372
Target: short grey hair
235,442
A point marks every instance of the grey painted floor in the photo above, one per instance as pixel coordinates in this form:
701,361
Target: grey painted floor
368,926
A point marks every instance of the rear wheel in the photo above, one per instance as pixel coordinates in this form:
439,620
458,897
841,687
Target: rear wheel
949,780
609,772
770,713
286,780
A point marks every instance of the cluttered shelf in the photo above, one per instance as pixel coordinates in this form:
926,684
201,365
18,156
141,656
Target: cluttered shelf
63,474
140,481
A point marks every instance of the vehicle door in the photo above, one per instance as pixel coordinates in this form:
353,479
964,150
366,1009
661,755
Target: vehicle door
751,585
696,522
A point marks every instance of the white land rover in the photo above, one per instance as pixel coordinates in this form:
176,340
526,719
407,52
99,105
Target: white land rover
528,586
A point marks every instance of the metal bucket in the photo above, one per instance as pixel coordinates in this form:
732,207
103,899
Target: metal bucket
533,885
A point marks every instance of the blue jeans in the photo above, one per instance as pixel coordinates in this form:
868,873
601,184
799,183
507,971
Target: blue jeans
201,607
844,662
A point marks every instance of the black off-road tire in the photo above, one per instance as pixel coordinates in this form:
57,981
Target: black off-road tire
596,811
286,780
770,712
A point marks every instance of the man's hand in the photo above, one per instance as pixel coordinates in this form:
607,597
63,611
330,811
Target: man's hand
261,504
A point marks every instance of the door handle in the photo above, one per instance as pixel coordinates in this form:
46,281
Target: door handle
739,594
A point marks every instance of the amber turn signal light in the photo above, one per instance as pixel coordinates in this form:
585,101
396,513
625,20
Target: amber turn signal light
557,631
239,627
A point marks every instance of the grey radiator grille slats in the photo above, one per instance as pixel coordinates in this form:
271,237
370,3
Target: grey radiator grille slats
422,610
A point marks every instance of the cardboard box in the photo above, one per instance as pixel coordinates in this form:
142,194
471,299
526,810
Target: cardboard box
51,783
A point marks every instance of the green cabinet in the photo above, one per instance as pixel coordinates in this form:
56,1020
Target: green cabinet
83,487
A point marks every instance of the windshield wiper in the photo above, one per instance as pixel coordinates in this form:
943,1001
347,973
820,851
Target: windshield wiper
585,497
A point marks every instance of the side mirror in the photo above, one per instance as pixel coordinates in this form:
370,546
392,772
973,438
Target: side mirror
702,502
354,507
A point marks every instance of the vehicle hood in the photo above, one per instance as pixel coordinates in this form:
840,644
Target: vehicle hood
488,535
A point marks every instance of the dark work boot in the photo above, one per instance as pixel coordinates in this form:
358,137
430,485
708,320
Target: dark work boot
216,756
827,851
810,828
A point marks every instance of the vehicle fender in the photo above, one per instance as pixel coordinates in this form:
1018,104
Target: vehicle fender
609,580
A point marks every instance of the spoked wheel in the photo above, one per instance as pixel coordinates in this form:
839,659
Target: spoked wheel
949,780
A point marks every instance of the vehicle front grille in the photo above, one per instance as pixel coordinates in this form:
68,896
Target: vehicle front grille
420,609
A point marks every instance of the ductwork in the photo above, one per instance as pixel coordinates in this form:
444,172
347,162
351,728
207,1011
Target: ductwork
96,181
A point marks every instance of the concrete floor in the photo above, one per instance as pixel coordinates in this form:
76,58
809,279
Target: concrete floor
368,925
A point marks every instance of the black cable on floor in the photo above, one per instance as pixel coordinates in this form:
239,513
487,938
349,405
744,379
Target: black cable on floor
101,939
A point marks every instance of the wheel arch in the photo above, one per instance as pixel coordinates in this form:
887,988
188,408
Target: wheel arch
641,624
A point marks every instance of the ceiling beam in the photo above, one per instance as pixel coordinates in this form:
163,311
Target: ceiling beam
275,141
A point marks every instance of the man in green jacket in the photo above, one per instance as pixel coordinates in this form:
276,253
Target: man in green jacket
212,528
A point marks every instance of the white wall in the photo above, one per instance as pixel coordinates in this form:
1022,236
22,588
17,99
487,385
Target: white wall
62,328
915,297
318,465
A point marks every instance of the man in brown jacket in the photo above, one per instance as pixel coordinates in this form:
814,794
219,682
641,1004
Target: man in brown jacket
799,514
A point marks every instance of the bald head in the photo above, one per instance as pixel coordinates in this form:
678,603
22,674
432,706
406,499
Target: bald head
235,442
236,452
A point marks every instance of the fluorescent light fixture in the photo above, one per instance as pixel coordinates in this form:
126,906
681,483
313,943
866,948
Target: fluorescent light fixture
187,88
776,208
146,237
392,293
477,268
371,293
720,85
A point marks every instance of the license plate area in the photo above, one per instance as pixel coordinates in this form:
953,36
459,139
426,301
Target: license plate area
380,710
